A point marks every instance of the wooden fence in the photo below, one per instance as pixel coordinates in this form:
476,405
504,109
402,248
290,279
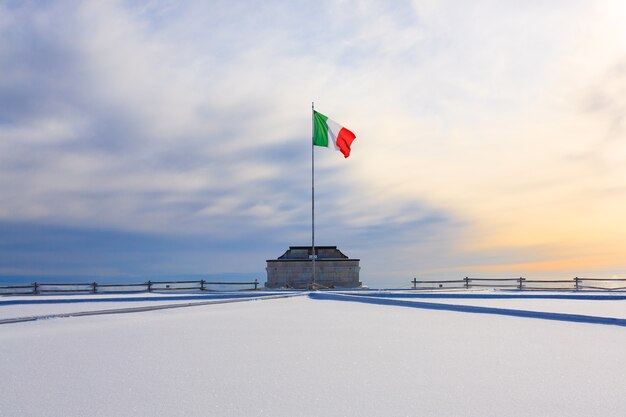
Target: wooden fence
521,283
95,288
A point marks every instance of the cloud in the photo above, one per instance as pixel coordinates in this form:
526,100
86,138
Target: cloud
475,125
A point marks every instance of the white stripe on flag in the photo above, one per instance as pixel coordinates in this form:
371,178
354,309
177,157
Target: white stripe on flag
333,131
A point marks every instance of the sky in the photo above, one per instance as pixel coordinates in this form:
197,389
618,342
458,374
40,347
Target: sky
172,138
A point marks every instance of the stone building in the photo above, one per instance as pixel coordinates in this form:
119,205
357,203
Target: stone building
293,269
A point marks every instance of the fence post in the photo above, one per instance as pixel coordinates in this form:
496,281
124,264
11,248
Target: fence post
149,286
576,280
202,285
466,283
521,283
256,283
414,283
35,288
95,286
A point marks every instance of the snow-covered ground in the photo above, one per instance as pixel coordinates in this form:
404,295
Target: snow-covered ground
605,304
46,305
605,308
304,356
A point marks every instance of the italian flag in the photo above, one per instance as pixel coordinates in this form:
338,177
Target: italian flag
329,133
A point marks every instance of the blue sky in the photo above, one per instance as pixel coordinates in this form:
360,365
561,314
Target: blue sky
172,138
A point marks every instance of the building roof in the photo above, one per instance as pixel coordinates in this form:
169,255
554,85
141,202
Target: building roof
303,253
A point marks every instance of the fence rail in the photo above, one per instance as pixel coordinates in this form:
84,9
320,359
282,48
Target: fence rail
521,283
95,288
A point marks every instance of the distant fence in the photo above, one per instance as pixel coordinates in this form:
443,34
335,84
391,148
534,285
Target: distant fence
95,288
521,283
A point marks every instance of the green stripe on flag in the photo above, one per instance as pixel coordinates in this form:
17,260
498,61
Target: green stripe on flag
320,129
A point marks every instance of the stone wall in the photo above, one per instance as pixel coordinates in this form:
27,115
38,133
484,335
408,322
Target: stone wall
298,274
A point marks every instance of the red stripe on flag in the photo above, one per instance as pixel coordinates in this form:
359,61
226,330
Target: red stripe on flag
344,140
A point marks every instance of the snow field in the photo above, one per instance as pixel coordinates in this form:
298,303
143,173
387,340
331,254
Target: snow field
42,305
304,357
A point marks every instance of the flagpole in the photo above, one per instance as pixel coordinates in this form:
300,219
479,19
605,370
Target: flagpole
313,190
